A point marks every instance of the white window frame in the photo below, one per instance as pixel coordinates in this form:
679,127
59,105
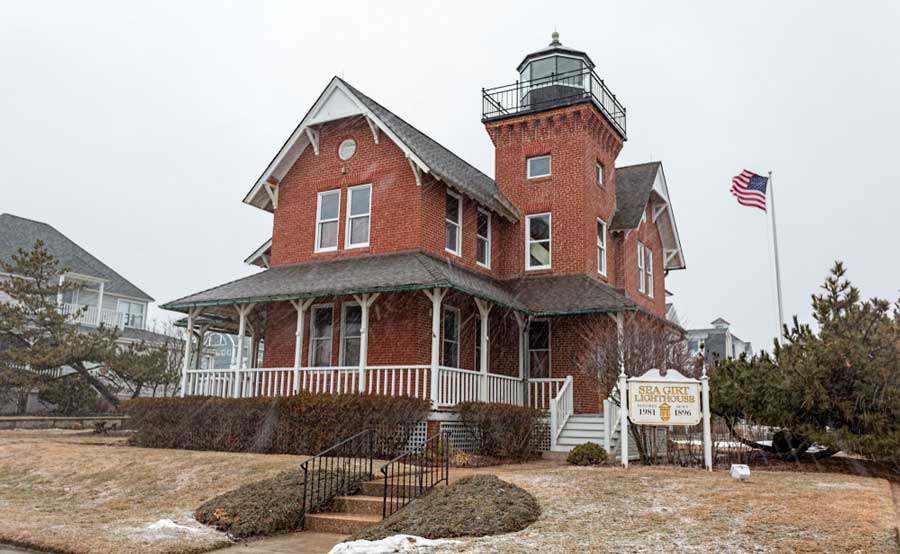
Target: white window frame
649,271
601,249
128,315
601,174
347,244
528,241
486,239
320,221
640,263
549,348
344,307
459,216
312,329
528,161
444,340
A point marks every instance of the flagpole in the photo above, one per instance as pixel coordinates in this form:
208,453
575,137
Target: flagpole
777,263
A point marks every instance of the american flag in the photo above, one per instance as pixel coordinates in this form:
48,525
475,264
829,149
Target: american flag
750,189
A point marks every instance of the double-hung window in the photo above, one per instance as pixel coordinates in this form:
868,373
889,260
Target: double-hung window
640,264
453,223
537,241
538,166
131,314
539,349
351,334
601,246
320,335
450,339
328,208
483,239
649,267
600,174
359,212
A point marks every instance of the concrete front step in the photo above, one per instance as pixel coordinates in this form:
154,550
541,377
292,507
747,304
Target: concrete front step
340,523
376,488
359,504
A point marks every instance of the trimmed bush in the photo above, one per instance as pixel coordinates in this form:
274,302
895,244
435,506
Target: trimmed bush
301,424
501,430
587,454
266,507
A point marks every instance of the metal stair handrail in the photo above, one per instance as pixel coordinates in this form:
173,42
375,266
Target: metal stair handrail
430,465
338,469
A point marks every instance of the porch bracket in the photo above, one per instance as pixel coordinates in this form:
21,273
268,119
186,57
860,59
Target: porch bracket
373,127
192,313
313,137
301,306
364,301
436,295
243,311
484,310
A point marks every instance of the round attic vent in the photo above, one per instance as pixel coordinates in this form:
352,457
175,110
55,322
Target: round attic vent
347,149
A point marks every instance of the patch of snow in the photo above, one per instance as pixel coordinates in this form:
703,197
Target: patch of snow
168,529
390,545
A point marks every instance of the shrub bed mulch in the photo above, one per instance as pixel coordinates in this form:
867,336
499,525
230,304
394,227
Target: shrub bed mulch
471,507
265,507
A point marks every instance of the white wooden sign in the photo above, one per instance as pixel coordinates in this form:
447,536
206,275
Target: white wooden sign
670,399
673,399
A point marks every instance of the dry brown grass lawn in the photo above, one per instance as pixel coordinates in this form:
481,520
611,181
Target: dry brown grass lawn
679,511
81,493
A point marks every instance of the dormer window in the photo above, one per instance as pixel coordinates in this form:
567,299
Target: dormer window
538,166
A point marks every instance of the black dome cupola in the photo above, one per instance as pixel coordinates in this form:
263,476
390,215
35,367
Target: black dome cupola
555,59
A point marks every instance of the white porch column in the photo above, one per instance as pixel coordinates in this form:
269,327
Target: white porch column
100,303
484,310
189,338
243,310
364,300
59,291
301,307
436,295
201,334
521,322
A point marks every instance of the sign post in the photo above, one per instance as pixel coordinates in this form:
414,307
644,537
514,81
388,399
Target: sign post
623,418
663,398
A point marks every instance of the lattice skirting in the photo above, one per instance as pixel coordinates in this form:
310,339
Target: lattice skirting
461,438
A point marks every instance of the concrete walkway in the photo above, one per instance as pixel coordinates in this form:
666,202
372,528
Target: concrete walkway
305,542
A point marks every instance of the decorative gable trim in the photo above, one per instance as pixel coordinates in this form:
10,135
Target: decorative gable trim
336,102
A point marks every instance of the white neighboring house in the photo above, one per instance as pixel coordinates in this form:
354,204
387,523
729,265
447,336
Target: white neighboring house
108,297
718,342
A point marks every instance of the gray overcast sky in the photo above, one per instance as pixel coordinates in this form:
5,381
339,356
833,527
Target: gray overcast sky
137,129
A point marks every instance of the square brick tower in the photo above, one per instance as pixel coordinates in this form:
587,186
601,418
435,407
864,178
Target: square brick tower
557,132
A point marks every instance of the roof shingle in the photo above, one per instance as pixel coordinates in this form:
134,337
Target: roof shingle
633,186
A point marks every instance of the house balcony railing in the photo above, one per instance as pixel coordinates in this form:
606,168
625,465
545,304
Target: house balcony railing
93,316
555,90
454,385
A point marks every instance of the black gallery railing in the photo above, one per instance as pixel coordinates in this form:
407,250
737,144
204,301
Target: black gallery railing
553,91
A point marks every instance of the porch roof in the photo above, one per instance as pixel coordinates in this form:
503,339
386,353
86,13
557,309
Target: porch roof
411,270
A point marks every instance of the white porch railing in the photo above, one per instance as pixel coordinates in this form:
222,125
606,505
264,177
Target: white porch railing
455,385
542,391
562,406
611,422
504,389
92,315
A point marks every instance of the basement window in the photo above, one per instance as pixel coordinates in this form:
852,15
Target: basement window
538,166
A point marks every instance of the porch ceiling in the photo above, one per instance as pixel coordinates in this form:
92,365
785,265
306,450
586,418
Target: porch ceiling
410,270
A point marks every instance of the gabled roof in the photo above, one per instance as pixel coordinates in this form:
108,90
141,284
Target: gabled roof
340,100
17,232
260,257
643,186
